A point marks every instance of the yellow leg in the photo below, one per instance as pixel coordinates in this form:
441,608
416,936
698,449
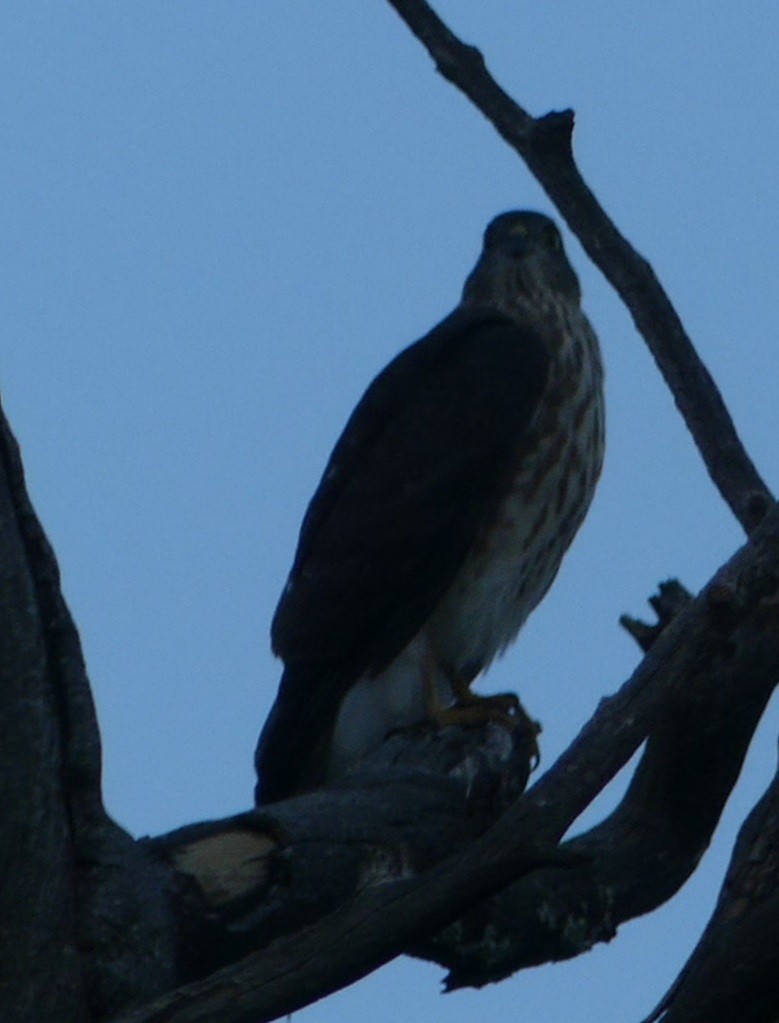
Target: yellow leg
471,709
506,704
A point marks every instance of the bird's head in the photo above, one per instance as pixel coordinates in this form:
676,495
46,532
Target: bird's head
522,257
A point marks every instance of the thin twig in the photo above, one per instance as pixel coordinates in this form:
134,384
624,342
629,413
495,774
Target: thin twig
545,146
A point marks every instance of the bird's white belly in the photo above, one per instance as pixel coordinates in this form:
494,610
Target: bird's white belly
505,576
378,704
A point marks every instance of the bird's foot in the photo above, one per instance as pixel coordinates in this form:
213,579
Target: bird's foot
503,708
475,709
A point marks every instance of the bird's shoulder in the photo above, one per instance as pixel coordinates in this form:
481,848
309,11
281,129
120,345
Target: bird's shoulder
473,353
418,464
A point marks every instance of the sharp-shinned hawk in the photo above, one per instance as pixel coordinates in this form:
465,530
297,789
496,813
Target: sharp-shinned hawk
442,516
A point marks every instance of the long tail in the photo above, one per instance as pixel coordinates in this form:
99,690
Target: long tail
292,751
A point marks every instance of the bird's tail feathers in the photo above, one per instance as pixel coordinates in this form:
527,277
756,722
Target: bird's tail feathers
291,754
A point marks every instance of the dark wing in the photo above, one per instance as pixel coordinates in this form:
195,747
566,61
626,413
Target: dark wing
420,467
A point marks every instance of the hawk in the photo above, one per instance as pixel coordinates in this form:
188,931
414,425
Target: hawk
442,516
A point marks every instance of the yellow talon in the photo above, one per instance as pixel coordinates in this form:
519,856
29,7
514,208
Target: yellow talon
471,709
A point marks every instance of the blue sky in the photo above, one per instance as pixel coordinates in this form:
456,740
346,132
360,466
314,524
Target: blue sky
219,220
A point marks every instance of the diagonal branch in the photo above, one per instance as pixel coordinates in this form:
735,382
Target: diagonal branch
734,971
545,144
383,921
645,850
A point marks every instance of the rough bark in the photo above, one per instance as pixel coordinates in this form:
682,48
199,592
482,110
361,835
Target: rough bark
84,923
40,976
731,977
647,848
238,884
431,849
701,688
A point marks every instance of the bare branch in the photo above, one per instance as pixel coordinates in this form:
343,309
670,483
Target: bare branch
670,599
733,974
76,711
731,643
647,848
72,858
237,884
697,696
37,898
545,144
